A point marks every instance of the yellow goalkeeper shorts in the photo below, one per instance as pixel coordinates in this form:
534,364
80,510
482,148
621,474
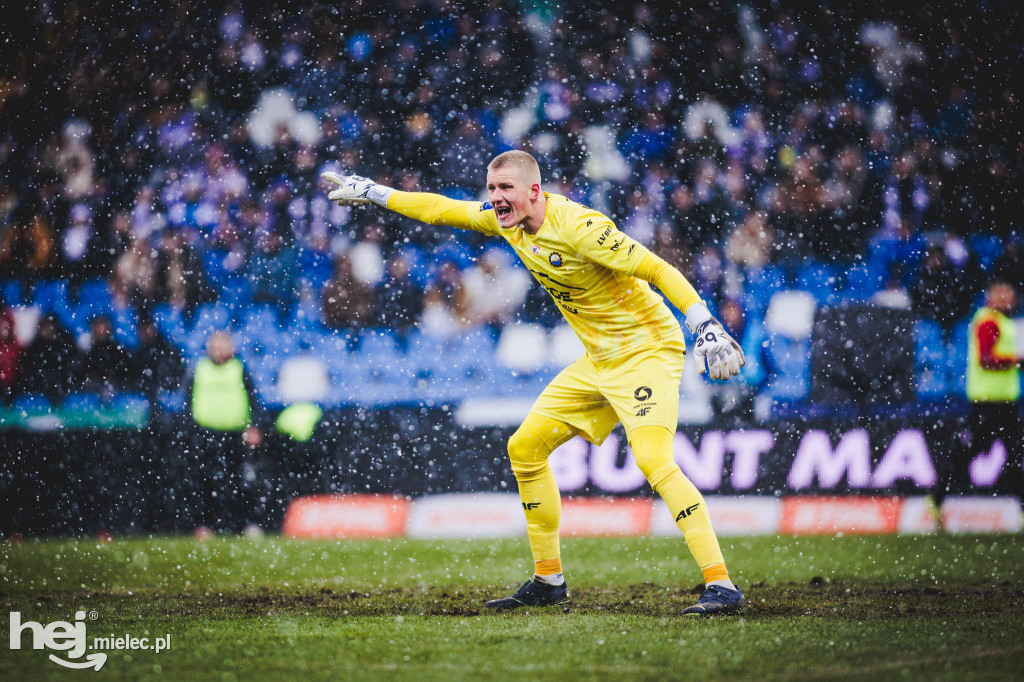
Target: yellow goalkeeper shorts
639,388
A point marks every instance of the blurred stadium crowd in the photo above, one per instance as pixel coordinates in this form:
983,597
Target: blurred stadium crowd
159,180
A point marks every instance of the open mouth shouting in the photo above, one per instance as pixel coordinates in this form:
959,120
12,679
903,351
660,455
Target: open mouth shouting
503,213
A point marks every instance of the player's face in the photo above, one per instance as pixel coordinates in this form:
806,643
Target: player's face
510,195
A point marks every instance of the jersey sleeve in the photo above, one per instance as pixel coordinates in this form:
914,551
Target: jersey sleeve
435,209
596,239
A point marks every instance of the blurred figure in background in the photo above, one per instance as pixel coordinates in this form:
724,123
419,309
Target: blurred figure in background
49,361
106,367
495,290
26,245
347,302
159,364
400,297
10,355
993,389
220,473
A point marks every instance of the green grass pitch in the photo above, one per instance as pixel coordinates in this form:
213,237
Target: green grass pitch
870,608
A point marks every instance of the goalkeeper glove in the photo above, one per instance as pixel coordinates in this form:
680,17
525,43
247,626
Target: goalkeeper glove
713,345
352,190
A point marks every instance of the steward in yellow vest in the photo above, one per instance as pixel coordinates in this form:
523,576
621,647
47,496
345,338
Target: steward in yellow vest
991,458
224,476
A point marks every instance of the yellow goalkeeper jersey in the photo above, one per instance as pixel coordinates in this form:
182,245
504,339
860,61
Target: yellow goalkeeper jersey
583,261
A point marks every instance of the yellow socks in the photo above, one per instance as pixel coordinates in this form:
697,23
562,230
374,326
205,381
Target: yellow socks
528,449
652,448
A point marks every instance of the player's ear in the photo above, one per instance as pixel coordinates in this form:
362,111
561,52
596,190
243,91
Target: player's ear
535,191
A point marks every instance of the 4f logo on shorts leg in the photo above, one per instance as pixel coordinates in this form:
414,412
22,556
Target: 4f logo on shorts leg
689,510
530,505
642,412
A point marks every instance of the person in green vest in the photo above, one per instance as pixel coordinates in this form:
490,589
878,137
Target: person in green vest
227,415
993,386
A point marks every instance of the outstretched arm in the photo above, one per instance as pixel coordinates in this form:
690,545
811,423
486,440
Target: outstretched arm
433,209
601,242
712,344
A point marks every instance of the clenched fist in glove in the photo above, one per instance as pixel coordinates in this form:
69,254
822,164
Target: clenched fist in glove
713,345
355,189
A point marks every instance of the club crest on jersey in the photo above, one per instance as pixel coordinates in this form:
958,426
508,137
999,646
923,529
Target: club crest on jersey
555,259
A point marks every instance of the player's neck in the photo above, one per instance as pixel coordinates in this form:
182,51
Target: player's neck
531,224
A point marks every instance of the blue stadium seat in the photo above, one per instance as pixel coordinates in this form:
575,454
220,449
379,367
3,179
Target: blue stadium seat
259,317
129,401
821,280
210,317
171,324
32,403
316,268
235,295
791,361
126,326
957,367
754,372
760,286
929,345
987,248
12,292
82,402
47,294
930,383
93,299
862,282
172,402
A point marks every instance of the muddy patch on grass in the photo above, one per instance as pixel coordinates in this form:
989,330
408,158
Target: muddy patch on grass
817,599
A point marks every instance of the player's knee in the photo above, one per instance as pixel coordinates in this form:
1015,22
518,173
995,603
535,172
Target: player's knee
526,454
652,449
654,462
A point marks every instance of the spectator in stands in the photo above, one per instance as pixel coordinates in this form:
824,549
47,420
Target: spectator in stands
180,277
106,367
49,361
1009,267
347,302
26,245
444,304
994,390
750,244
894,295
133,278
400,298
10,355
159,365
495,290
83,253
272,270
935,293
227,415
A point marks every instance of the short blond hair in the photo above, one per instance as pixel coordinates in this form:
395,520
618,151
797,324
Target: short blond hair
524,163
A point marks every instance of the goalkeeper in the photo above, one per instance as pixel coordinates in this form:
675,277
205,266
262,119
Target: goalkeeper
598,277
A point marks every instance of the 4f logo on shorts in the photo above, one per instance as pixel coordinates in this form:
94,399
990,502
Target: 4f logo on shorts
689,510
643,393
642,412
530,505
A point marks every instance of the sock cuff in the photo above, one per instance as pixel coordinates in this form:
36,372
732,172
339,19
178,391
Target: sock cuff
548,566
715,572
662,474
